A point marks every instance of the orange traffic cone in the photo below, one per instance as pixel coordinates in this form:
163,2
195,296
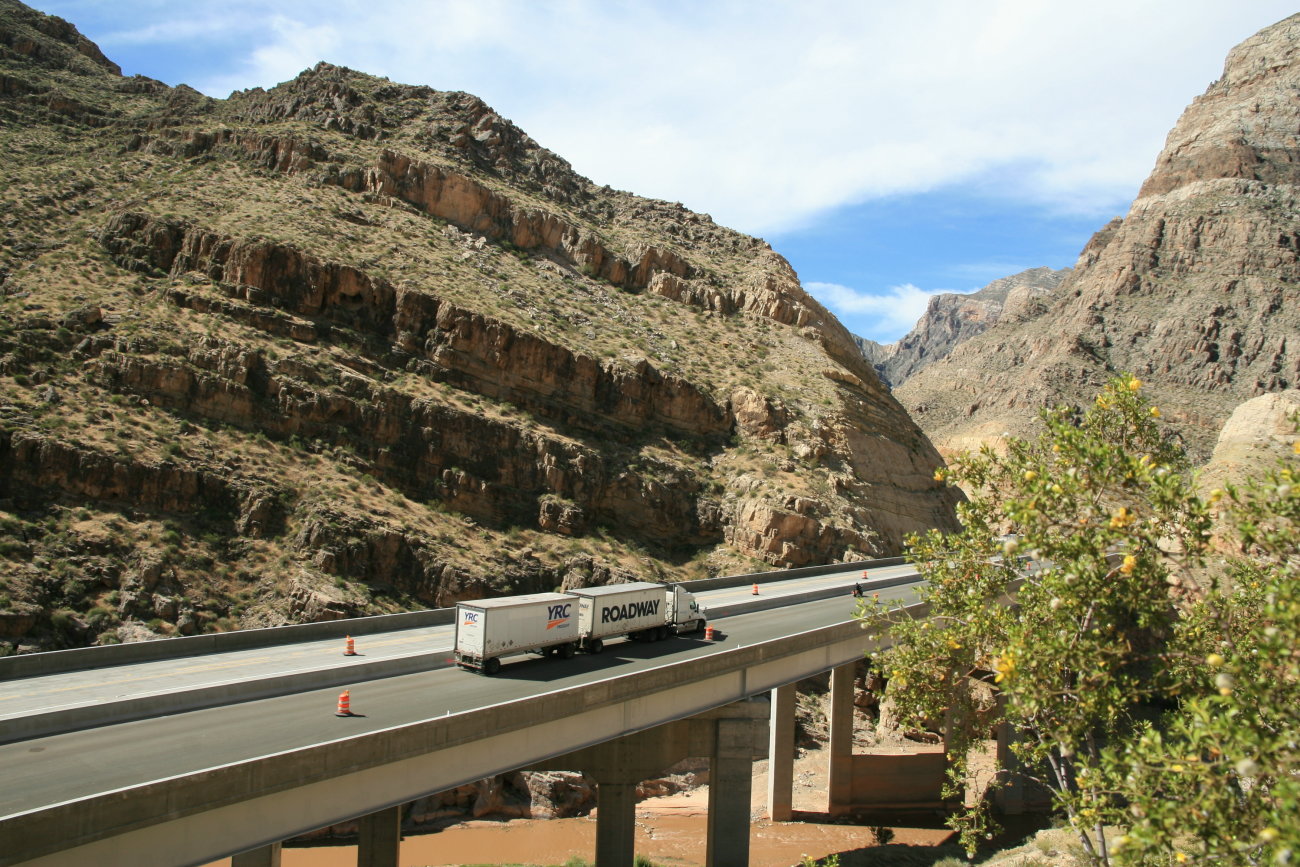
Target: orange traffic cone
866,573
755,588
351,648
708,633
345,704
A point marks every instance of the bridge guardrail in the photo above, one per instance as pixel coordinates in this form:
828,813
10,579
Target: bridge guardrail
764,603
725,582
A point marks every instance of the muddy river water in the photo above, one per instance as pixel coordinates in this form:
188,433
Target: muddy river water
670,831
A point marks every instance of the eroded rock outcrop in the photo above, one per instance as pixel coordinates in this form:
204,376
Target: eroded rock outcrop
1257,435
32,464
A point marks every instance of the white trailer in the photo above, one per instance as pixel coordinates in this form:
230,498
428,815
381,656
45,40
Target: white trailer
639,610
488,629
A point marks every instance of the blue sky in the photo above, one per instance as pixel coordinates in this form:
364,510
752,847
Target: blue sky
889,150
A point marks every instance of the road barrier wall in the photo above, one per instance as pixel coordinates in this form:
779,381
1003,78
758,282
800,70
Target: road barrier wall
764,603
728,581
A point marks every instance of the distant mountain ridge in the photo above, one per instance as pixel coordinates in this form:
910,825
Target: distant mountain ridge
951,318
1196,290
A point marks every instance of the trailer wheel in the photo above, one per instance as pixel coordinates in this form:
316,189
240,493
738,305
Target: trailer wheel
661,632
491,666
566,651
595,645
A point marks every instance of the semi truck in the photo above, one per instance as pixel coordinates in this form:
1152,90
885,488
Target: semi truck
561,624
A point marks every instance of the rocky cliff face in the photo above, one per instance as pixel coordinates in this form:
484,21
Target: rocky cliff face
347,346
1194,291
950,319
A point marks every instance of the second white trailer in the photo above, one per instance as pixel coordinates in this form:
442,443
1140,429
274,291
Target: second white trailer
638,609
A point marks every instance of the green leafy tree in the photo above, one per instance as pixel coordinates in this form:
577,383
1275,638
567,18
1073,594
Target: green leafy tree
1106,622
1219,780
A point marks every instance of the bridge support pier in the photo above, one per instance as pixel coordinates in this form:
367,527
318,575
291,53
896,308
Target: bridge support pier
618,766
731,737
1010,797
379,838
780,755
262,856
839,789
731,778
615,823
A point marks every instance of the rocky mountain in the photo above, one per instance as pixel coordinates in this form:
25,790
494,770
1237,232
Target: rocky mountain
348,346
875,353
1194,290
951,318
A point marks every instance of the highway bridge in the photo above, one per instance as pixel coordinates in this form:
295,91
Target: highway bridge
188,750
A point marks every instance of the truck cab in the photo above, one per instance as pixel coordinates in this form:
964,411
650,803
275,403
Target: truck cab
683,613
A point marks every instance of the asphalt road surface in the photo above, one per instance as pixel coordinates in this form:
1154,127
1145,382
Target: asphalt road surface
43,771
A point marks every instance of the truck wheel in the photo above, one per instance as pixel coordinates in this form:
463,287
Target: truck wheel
661,632
491,666
566,651
595,645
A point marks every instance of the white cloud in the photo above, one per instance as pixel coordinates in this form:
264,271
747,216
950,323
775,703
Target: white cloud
769,114
153,32
884,317
295,47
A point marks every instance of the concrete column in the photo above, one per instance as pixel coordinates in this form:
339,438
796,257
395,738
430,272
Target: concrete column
379,838
731,736
839,794
780,755
618,766
1010,796
615,823
264,856
731,778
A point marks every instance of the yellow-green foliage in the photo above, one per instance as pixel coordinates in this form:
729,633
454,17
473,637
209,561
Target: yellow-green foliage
1122,612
